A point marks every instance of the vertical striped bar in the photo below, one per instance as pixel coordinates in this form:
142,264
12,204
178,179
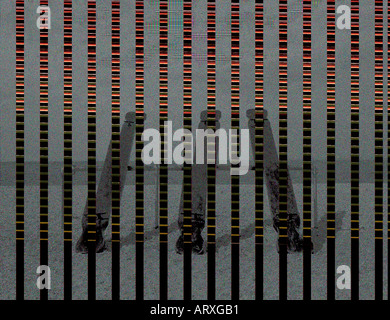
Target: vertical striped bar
235,124
259,151
187,124
91,150
354,149
379,149
331,149
211,150
283,149
116,143
388,148
163,172
43,148
139,165
306,149
68,168
19,210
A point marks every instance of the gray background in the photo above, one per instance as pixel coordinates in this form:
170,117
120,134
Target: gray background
247,94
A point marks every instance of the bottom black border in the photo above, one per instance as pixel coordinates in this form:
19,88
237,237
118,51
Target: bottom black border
247,309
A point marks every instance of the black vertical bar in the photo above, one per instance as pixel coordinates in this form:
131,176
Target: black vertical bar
68,168
259,152
331,151
163,172
235,124
388,148
44,143
307,166
355,150
19,210
211,146
283,149
116,143
91,150
187,119
378,150
139,169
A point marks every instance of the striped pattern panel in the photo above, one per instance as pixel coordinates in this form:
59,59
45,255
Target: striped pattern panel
355,149
187,124
139,165
211,148
19,187
116,143
307,166
235,125
259,152
379,149
283,149
388,147
163,174
331,150
68,159
44,144
91,150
